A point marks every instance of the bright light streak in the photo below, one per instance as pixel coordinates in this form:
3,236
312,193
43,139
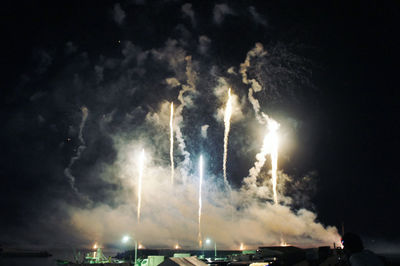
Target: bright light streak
227,122
208,241
200,200
171,152
141,168
177,246
95,246
270,146
241,246
273,127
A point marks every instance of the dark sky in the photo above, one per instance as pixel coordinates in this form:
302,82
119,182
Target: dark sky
330,73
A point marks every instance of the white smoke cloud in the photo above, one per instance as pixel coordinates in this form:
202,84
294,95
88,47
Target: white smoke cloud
43,60
161,117
81,148
172,211
204,44
118,14
188,11
220,11
174,56
231,70
257,17
70,48
256,52
99,73
204,131
221,92
172,82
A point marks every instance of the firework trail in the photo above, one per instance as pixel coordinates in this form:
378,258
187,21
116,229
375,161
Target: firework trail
273,127
270,147
81,148
227,122
141,166
171,152
200,200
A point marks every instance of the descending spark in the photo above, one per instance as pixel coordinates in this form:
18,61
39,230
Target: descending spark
273,127
200,200
171,152
227,122
141,166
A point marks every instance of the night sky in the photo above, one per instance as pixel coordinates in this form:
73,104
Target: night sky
328,77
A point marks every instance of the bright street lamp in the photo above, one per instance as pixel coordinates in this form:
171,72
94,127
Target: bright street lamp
125,239
208,241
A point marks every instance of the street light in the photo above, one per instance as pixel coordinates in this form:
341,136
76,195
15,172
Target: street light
208,241
125,239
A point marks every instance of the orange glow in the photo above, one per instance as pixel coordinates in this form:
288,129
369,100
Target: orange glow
284,244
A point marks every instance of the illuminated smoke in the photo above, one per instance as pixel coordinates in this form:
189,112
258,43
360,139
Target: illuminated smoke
256,52
227,122
189,87
171,152
283,242
139,201
81,148
200,200
270,146
256,106
167,226
271,142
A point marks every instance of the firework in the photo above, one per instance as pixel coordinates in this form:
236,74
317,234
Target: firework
227,122
171,150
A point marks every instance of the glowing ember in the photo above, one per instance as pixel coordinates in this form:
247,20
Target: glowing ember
227,122
141,166
171,152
